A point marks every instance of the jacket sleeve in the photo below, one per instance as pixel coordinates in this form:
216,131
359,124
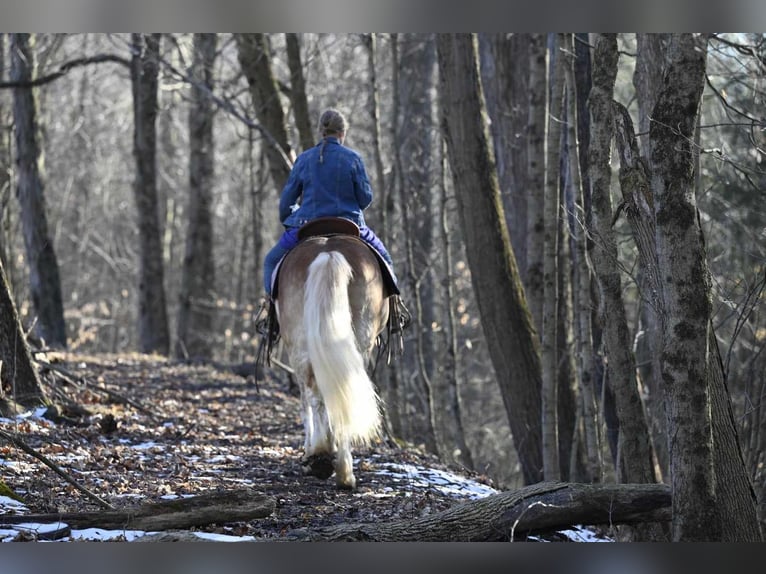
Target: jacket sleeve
362,188
290,192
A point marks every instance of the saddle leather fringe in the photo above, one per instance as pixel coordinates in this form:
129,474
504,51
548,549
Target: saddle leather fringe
267,325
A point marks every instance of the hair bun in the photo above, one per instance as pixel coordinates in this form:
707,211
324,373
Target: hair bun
332,122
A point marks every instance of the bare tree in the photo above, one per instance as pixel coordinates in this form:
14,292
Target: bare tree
715,498
506,320
197,296
685,293
45,283
152,314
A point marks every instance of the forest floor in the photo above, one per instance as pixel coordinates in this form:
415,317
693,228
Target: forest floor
135,429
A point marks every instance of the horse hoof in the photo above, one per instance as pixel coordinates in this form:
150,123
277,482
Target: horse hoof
350,485
319,465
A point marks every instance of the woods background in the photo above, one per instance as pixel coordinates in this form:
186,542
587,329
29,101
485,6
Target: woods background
140,184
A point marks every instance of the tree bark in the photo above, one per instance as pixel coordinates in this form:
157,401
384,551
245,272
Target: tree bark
635,443
647,81
44,279
413,151
298,92
507,323
506,88
255,60
682,300
152,313
685,294
197,291
19,382
551,218
536,129
512,515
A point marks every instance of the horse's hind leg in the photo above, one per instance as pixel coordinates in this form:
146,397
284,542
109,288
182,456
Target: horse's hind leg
344,467
318,449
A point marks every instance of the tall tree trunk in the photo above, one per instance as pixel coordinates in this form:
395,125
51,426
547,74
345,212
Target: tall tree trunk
505,76
412,162
536,129
396,399
552,213
197,297
698,507
370,42
647,81
45,283
255,60
449,368
506,320
582,271
682,300
19,382
635,444
298,92
5,169
421,208
152,313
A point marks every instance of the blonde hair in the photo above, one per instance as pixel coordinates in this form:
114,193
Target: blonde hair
332,123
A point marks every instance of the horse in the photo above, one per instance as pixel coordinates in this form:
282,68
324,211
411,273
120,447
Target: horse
331,302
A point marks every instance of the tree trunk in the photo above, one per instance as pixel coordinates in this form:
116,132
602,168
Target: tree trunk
413,147
685,293
512,515
194,511
45,283
396,390
18,378
672,176
506,88
298,92
197,297
552,211
255,60
506,320
152,314
647,80
635,444
536,129
449,369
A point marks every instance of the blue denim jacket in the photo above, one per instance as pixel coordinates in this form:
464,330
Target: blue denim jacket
338,186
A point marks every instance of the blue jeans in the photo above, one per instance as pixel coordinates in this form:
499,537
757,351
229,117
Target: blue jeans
289,240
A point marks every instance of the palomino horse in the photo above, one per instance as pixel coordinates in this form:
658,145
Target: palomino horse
332,304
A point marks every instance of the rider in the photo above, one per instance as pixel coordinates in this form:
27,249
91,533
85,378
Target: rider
326,180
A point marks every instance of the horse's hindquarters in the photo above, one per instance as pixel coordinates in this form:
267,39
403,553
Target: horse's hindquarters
332,306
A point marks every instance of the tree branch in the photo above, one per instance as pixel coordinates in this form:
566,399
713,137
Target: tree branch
65,68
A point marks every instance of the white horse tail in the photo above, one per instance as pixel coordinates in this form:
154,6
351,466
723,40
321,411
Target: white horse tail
352,405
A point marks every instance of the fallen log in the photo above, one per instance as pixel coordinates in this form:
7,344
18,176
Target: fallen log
506,516
179,513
